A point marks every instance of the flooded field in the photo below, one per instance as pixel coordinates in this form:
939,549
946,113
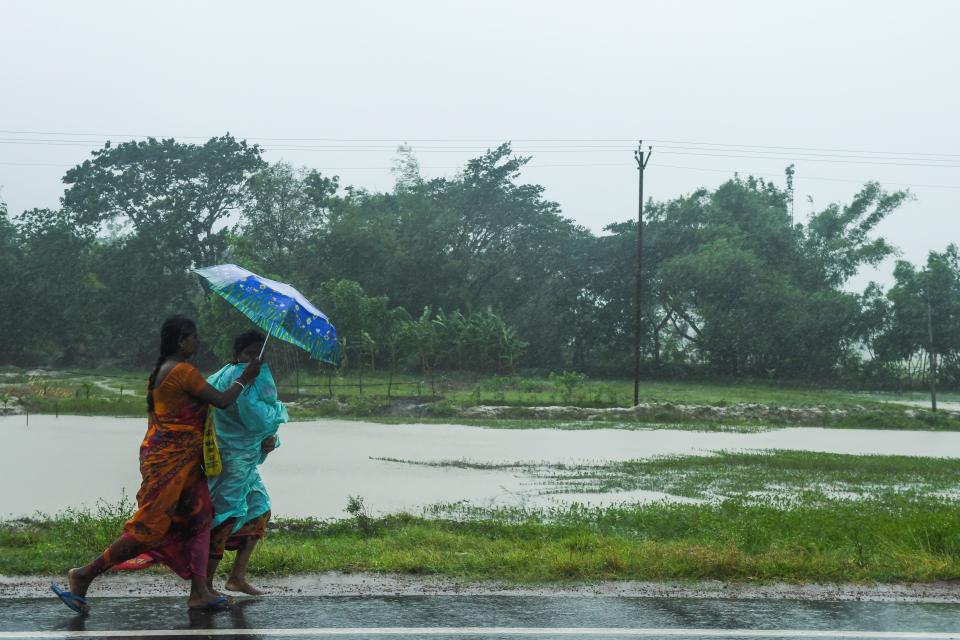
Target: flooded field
55,463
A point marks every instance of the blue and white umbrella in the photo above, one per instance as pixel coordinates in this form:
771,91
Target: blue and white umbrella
277,308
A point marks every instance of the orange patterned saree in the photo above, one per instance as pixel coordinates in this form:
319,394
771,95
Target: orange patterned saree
173,504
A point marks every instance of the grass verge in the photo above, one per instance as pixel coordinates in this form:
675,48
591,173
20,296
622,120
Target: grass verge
895,539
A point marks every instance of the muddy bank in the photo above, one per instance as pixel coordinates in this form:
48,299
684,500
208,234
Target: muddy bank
369,584
667,411
902,415
10,406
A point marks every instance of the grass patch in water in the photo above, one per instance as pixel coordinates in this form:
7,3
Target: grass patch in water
775,474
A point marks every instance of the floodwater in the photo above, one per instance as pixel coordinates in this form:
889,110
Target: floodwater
55,463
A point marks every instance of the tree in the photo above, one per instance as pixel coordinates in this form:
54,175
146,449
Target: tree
921,302
60,321
179,195
11,326
406,169
363,322
287,208
743,287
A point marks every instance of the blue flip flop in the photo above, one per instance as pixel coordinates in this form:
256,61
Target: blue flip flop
220,604
76,603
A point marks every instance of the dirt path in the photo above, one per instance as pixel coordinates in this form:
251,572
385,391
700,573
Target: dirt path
369,584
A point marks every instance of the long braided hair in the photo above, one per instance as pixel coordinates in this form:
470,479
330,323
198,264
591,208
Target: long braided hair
174,329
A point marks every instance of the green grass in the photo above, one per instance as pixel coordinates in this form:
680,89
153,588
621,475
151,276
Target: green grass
76,393
98,392
779,518
465,388
512,390
93,406
891,540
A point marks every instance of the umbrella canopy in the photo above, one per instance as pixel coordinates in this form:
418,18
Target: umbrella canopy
277,308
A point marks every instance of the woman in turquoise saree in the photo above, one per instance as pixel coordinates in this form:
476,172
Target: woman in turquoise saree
246,433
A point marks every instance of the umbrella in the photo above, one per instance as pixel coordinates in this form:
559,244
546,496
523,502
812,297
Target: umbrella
277,308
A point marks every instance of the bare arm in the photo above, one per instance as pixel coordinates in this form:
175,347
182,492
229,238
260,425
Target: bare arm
225,398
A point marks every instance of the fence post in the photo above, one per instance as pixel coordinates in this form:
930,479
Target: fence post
419,389
121,392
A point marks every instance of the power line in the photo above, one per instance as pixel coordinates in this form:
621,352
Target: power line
573,165
578,148
37,164
890,162
790,148
801,178
831,160
627,142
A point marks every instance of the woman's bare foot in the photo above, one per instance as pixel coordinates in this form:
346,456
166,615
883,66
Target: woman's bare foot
203,598
79,582
241,585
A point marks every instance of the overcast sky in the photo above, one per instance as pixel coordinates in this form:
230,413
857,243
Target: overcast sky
811,82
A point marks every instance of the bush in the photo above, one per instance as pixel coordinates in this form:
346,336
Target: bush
531,385
567,382
442,409
366,406
322,408
364,523
497,385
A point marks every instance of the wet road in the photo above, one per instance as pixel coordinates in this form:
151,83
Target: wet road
506,617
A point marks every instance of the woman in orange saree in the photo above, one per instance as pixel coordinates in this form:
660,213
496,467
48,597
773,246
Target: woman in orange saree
174,511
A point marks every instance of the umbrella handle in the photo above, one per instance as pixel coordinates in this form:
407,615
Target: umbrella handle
260,357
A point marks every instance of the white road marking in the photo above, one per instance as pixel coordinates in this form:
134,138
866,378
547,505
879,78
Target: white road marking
496,631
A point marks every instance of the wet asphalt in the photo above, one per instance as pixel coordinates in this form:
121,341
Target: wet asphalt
319,617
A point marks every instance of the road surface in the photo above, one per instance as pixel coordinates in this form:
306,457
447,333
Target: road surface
505,617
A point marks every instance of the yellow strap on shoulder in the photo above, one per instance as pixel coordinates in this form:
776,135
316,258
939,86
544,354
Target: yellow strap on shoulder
211,452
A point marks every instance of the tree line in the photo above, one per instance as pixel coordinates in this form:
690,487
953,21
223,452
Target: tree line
477,271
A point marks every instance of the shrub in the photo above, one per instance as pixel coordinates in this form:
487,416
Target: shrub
366,406
567,382
442,409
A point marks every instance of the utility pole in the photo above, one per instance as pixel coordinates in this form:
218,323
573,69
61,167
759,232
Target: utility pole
642,161
930,351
